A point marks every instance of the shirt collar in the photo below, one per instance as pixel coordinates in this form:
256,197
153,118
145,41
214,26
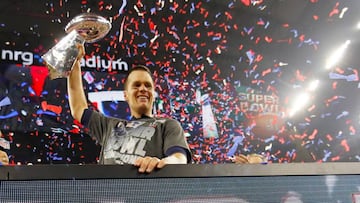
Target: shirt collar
142,116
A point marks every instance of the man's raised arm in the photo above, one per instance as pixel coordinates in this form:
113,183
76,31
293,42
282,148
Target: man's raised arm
77,99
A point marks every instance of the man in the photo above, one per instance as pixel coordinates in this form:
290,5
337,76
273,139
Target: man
145,141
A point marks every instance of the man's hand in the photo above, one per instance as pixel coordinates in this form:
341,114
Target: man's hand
249,159
148,164
4,159
81,53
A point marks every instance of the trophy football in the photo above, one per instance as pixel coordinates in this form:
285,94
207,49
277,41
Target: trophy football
86,27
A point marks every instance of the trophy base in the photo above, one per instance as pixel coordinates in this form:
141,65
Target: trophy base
55,74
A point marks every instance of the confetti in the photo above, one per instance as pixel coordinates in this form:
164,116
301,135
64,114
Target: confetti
228,71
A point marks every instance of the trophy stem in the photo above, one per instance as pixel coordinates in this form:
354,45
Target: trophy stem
61,58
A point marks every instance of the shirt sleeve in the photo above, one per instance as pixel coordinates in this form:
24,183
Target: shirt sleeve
85,118
98,124
175,140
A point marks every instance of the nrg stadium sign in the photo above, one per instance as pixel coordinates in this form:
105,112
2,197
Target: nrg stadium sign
27,58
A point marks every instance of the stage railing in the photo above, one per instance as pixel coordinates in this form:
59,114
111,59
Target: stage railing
308,182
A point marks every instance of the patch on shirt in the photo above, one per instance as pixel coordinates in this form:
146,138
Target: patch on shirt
134,124
119,130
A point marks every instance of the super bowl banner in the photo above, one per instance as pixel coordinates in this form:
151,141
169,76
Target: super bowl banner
230,71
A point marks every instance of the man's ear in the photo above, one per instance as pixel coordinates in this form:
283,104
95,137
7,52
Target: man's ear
125,95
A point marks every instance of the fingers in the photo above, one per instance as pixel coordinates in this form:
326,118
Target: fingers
81,54
241,159
81,49
5,162
256,159
147,164
251,159
4,159
162,163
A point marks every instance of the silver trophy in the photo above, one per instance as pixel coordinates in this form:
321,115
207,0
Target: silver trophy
86,27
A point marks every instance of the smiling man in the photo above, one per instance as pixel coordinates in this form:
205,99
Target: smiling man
145,141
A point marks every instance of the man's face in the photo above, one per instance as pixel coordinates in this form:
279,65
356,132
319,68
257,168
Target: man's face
139,93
